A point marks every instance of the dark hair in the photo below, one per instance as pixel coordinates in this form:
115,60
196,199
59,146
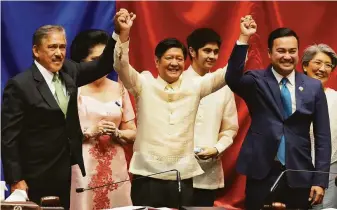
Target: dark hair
85,41
44,31
167,44
281,32
200,37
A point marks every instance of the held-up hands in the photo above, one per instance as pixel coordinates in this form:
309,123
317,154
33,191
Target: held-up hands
248,27
123,21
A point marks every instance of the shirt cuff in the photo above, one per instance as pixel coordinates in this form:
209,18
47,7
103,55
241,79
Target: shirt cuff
115,36
220,147
240,43
122,47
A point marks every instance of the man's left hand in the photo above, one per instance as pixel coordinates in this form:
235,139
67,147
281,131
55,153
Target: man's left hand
316,195
208,152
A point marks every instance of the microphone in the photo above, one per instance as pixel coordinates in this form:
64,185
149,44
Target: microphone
178,178
271,204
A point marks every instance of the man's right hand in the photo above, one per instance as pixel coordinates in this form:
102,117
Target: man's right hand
123,23
21,185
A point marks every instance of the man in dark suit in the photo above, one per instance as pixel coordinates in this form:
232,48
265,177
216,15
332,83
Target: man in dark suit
41,134
282,104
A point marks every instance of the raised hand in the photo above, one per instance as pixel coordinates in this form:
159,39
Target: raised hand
248,27
123,22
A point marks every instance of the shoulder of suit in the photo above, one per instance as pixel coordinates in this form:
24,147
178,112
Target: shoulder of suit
255,72
21,77
308,79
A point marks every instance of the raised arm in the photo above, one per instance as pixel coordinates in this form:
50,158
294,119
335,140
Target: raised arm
127,74
238,82
86,72
219,78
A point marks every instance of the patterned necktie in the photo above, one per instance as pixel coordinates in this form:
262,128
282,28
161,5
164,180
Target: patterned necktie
62,100
286,102
169,88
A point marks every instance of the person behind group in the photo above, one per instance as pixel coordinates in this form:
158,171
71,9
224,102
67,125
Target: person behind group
319,61
107,122
166,110
40,131
282,104
216,122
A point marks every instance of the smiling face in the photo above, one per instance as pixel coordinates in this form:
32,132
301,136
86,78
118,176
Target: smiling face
51,51
284,55
206,57
319,67
171,64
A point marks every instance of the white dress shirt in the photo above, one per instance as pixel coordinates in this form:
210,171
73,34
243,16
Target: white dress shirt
216,125
48,77
165,117
331,97
290,85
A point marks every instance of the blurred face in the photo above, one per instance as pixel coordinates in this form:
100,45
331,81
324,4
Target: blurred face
206,57
51,52
319,67
284,55
171,65
95,52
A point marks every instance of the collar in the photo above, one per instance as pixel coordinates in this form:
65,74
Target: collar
279,77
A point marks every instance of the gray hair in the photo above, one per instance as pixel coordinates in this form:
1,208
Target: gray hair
310,52
44,31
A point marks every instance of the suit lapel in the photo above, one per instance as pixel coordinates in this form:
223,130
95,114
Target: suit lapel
299,90
275,90
69,83
43,88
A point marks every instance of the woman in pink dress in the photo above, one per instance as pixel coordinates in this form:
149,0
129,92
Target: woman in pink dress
107,121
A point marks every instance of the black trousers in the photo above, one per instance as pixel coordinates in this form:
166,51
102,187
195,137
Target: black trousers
257,192
160,193
54,182
203,197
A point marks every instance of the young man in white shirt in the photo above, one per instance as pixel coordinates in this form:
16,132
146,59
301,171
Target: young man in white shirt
166,111
216,123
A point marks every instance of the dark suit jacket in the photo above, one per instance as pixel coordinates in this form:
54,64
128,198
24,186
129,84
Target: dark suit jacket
260,90
34,132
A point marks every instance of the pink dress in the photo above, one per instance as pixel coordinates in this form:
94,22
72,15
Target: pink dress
102,164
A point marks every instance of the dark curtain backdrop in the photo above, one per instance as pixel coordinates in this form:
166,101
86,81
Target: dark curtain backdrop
315,22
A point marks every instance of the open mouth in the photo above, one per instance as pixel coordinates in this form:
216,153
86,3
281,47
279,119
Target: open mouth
173,70
320,76
287,64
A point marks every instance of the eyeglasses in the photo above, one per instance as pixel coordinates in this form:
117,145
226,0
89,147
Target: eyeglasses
319,64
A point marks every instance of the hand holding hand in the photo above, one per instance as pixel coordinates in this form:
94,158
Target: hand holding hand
248,27
123,21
